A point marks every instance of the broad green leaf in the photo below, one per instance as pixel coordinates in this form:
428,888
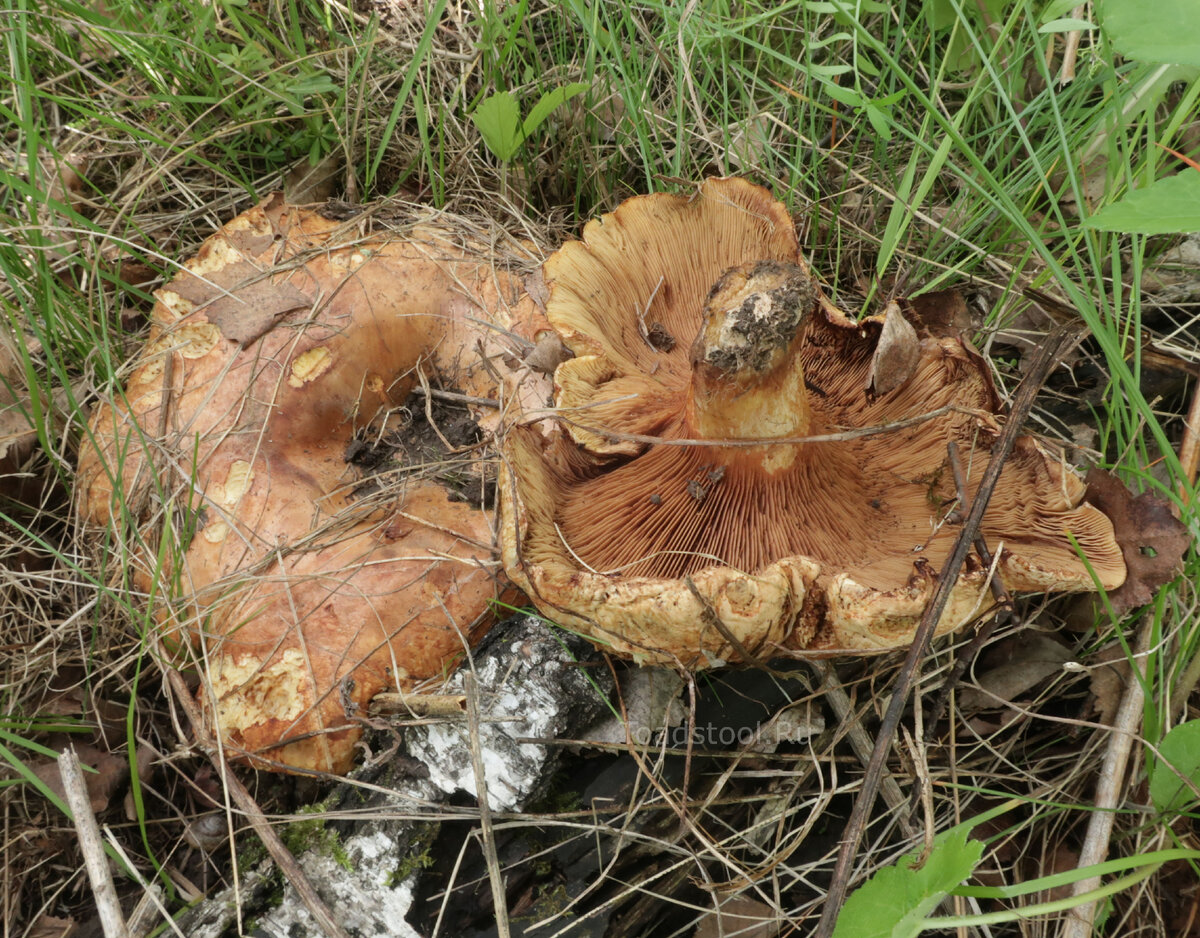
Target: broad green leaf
312,84
1166,206
896,901
828,71
1166,31
940,14
847,96
879,120
1180,752
548,102
498,119
843,7
1065,25
820,42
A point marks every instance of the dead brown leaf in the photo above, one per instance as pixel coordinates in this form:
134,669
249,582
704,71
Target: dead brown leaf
47,926
242,307
1062,858
17,434
1153,540
896,353
306,184
547,354
67,182
940,313
741,916
110,772
1014,666
145,758
535,286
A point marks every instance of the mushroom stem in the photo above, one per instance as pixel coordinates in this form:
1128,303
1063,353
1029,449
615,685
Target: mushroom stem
747,379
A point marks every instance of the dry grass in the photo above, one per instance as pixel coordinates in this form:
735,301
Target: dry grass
167,137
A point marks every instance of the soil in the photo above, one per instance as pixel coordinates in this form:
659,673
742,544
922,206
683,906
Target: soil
443,443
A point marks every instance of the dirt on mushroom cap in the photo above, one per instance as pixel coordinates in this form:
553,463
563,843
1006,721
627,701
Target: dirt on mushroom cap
644,545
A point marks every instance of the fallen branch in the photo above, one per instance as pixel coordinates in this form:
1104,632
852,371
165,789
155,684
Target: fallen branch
92,846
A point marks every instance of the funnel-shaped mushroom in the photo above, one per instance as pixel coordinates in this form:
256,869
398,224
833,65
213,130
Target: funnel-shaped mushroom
286,334
681,502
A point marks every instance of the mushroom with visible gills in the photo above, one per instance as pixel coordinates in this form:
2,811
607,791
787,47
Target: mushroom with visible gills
740,488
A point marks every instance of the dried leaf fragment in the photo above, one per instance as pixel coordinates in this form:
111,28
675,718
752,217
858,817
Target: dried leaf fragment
243,313
896,353
743,916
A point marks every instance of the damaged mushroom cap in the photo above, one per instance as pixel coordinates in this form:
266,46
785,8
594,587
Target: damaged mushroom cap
727,536
284,336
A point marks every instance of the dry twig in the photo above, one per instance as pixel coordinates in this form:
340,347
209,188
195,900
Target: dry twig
92,846
1189,446
839,701
999,593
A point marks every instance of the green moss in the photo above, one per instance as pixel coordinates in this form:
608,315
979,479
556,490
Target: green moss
252,852
411,864
551,900
314,834
419,855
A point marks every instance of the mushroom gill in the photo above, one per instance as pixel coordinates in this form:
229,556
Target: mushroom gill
686,476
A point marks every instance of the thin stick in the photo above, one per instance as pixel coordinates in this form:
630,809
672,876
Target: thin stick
495,876
999,593
143,918
457,397
1109,787
1066,74
291,870
1022,404
92,846
614,436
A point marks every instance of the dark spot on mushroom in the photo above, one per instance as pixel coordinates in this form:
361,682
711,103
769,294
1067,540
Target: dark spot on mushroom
406,444
697,491
655,499
716,475
659,338
876,503
816,390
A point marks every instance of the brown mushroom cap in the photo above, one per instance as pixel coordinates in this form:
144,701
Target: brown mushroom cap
820,546
282,337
